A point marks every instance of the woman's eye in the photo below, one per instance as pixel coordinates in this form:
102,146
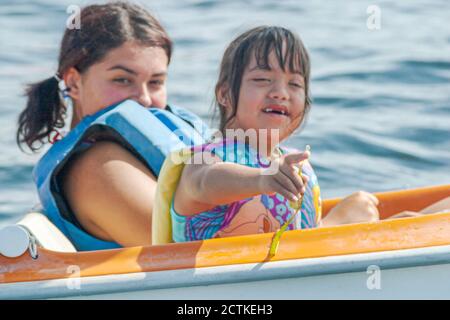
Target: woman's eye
157,83
122,81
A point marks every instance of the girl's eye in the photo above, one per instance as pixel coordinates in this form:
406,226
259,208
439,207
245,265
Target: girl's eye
261,80
296,84
122,81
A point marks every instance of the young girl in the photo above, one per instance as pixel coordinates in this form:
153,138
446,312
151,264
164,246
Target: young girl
263,88
97,184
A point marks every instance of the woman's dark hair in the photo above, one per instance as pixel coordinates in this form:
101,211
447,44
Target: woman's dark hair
103,27
260,42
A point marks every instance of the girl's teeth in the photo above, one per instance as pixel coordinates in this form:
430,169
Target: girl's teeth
271,110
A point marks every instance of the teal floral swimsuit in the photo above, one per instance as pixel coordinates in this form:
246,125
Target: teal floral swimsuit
264,213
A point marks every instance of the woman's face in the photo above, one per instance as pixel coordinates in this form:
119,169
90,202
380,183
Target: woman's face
131,71
270,99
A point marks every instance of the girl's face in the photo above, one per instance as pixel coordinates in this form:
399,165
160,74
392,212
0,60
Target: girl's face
131,71
269,99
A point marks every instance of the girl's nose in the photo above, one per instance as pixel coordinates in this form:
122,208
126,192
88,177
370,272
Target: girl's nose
279,91
143,97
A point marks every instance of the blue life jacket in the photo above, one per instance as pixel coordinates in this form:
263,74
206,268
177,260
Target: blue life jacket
148,133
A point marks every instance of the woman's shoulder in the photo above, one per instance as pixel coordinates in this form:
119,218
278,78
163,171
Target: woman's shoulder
101,152
106,178
103,161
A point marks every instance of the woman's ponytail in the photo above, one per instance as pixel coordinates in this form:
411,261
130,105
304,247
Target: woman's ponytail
105,27
44,112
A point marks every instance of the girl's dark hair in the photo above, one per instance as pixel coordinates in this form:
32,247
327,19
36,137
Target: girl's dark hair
260,42
103,28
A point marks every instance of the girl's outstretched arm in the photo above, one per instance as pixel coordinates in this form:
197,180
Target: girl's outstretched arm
204,186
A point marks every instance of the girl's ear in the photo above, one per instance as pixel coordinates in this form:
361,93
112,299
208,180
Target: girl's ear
72,78
223,97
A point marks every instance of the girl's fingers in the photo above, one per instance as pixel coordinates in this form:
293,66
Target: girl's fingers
373,198
292,175
374,212
286,183
296,157
285,193
305,179
366,195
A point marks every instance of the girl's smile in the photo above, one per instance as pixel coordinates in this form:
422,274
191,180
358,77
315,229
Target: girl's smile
276,109
270,98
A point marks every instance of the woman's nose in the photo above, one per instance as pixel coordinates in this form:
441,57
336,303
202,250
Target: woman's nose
143,97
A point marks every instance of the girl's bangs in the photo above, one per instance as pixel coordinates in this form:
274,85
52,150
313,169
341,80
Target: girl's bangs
287,49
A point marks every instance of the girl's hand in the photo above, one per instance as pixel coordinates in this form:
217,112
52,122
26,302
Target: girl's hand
360,206
286,180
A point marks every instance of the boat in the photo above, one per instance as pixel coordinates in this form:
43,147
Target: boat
406,258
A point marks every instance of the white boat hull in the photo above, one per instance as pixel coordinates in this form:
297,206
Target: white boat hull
404,274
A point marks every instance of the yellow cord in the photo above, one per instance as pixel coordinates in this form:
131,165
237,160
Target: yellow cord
297,205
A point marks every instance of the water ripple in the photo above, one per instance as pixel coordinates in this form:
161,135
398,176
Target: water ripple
405,74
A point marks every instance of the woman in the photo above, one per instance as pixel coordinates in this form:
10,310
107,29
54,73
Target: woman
99,188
